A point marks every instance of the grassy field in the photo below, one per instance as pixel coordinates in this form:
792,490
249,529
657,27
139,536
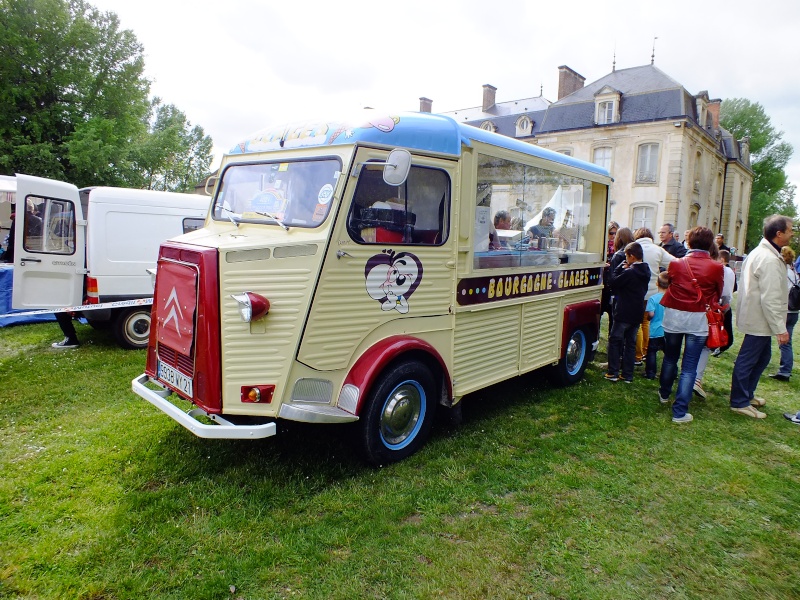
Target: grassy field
584,492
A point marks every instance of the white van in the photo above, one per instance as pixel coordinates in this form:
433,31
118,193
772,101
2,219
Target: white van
94,246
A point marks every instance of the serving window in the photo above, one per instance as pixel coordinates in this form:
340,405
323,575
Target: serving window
529,216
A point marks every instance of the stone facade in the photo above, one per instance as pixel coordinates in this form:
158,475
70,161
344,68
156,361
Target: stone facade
670,160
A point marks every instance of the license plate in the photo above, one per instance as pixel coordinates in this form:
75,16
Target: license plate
175,379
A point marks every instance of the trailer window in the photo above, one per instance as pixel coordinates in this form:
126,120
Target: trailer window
49,226
416,212
293,193
529,216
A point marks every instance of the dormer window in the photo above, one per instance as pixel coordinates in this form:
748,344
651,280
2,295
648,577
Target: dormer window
606,106
605,113
488,126
524,126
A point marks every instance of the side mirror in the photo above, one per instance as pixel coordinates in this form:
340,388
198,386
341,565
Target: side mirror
397,166
212,181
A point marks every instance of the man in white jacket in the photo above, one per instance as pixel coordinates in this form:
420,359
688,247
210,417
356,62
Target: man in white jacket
656,258
760,314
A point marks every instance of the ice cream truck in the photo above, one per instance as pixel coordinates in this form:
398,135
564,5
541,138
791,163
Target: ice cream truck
356,270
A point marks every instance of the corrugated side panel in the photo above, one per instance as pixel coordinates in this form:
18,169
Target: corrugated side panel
541,324
486,347
343,313
264,354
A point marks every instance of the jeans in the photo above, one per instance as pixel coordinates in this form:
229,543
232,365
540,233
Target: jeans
622,348
669,368
651,360
753,358
787,360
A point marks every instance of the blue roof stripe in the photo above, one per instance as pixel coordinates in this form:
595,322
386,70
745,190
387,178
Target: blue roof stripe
417,131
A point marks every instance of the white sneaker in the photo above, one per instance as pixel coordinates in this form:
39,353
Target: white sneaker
687,418
662,399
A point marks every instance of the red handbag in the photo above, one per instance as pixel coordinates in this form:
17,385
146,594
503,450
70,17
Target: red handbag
717,336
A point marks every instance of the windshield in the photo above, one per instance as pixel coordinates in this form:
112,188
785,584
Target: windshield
290,194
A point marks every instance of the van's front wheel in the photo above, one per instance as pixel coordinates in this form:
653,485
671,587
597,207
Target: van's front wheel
398,413
132,327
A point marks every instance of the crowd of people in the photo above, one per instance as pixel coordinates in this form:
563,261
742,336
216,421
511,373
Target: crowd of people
657,297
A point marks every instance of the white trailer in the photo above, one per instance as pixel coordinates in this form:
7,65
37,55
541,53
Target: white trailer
94,246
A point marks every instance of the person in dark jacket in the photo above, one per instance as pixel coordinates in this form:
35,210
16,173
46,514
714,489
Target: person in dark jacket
622,237
629,281
668,241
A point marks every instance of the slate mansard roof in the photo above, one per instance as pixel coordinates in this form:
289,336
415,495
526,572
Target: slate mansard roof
646,93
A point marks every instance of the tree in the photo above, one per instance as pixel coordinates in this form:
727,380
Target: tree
74,102
174,155
72,91
769,155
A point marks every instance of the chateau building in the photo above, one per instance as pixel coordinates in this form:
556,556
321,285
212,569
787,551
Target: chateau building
670,159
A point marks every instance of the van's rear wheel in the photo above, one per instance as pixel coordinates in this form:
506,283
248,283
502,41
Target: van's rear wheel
132,327
398,413
570,368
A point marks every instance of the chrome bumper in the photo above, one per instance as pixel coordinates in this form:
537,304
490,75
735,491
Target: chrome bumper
222,429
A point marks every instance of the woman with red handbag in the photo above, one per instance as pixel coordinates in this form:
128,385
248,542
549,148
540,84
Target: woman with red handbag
695,282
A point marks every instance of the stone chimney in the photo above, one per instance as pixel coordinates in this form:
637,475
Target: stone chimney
713,110
568,81
425,105
488,97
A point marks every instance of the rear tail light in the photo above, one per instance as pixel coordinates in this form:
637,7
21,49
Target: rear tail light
92,297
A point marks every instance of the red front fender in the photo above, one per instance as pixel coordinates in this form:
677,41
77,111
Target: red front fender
370,364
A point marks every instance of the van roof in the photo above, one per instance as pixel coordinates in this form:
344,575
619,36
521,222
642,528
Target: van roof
418,131
146,197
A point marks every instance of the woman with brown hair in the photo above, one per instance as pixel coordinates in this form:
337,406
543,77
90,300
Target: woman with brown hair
695,281
622,237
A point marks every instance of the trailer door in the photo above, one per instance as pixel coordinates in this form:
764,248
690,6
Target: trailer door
49,245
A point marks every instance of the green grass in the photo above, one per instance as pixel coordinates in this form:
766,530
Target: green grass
583,492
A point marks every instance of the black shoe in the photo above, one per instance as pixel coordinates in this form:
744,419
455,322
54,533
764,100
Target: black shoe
780,377
66,344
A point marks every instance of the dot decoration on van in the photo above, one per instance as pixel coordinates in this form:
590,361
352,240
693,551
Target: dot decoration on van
479,290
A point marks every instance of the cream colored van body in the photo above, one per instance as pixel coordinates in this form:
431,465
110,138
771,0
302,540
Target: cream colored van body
318,292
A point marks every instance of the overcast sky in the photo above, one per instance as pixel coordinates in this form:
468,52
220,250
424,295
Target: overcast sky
236,66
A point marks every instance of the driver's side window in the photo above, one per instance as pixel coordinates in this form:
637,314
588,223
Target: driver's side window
414,213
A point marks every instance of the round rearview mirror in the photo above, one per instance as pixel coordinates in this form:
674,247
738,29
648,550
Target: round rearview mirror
397,166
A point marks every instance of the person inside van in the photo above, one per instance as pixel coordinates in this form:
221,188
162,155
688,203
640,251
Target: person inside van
502,220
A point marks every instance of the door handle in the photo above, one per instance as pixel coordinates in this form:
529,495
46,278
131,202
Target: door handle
342,254
22,261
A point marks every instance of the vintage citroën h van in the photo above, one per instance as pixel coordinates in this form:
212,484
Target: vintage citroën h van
372,270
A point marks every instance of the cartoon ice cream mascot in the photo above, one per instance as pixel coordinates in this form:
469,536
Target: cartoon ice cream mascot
392,278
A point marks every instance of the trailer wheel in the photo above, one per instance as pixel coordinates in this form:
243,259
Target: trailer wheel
398,413
131,327
570,368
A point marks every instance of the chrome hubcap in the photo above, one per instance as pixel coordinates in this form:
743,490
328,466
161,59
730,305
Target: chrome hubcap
401,414
574,352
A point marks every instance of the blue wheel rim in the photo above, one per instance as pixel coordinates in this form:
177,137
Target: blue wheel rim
576,352
402,415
